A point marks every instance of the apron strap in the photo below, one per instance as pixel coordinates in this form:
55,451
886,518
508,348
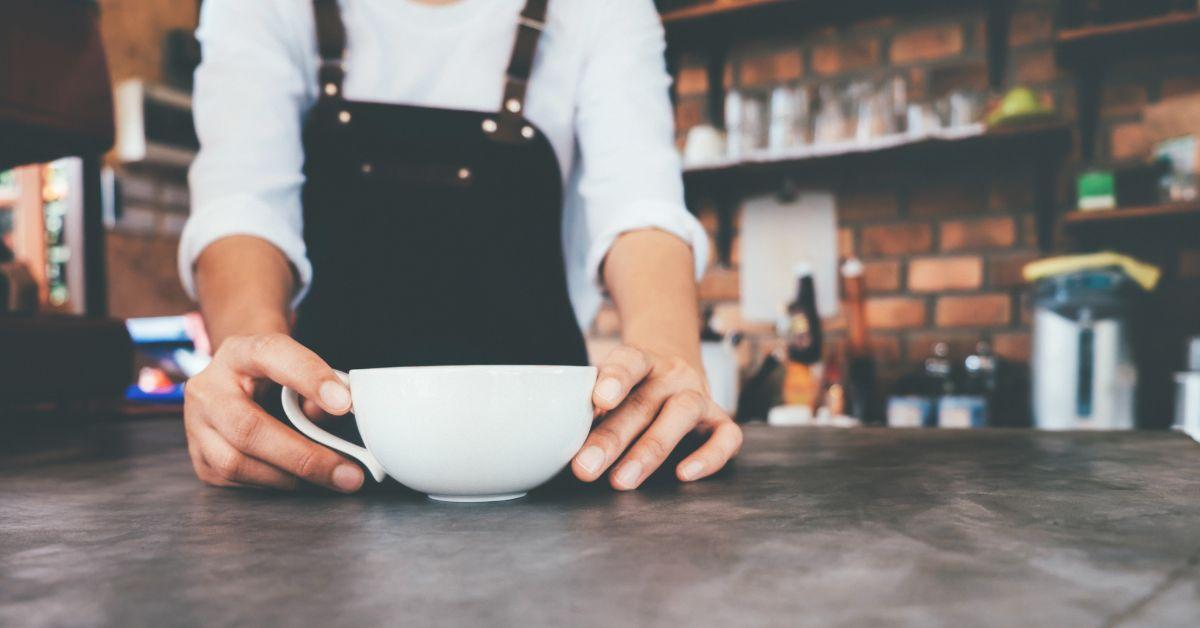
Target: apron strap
331,41
511,125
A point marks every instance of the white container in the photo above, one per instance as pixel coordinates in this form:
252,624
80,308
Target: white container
1187,403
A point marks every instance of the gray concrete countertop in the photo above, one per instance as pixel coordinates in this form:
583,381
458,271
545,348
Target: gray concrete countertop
812,527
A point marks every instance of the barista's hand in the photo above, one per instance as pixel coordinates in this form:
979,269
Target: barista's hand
233,442
649,403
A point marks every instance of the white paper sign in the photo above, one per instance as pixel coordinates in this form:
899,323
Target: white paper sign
775,236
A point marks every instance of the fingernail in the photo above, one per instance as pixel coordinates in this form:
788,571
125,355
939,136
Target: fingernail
347,478
334,395
591,458
629,474
608,390
691,470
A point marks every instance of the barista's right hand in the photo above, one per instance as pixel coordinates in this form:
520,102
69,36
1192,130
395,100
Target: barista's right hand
234,442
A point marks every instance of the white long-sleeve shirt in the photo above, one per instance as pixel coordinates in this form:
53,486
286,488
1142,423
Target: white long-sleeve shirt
599,91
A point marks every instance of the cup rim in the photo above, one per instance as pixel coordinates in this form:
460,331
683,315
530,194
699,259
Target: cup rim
479,367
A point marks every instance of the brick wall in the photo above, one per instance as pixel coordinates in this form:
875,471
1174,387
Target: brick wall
943,247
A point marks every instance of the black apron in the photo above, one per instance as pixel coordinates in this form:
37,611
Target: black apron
435,235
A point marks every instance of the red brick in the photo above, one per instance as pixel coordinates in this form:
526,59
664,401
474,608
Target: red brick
881,276
1037,67
895,312
1129,141
1180,85
940,274
771,67
846,242
1189,264
689,112
928,43
867,204
1015,346
692,80
845,56
720,284
1005,271
973,311
1030,26
1028,230
885,349
1123,99
899,239
986,233
962,196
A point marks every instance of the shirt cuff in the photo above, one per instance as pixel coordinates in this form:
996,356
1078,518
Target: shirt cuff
661,215
242,215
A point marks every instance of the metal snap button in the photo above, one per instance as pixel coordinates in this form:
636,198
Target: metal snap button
527,132
513,105
344,117
489,125
331,89
368,168
464,174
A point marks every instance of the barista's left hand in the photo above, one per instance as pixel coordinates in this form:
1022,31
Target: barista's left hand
648,403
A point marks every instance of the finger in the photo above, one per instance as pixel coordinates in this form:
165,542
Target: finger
679,416
624,367
314,411
723,443
283,360
234,468
612,435
255,433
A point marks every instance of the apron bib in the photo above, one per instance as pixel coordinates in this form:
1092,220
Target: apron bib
435,234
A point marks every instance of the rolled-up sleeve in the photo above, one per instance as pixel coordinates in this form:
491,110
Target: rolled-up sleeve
630,176
251,95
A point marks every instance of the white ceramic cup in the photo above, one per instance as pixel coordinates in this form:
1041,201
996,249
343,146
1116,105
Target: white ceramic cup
463,433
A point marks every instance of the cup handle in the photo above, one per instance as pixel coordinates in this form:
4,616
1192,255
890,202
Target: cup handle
291,407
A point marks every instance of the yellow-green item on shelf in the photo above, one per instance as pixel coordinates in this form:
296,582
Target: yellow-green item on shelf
1020,105
1146,275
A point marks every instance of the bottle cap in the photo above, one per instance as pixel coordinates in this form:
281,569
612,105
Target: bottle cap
852,267
802,269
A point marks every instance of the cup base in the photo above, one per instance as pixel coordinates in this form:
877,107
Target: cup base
474,499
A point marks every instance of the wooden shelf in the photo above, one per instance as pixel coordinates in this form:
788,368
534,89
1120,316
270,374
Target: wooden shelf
1042,141
1165,215
715,22
1103,43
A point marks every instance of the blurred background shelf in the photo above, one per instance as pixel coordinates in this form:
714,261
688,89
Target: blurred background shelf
1149,225
1036,141
1044,146
1090,51
1097,45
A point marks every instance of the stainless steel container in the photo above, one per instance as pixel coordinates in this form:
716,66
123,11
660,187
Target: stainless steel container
1083,371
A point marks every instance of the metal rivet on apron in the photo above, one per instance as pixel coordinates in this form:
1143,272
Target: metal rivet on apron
464,173
489,125
367,168
513,105
527,132
331,89
344,117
